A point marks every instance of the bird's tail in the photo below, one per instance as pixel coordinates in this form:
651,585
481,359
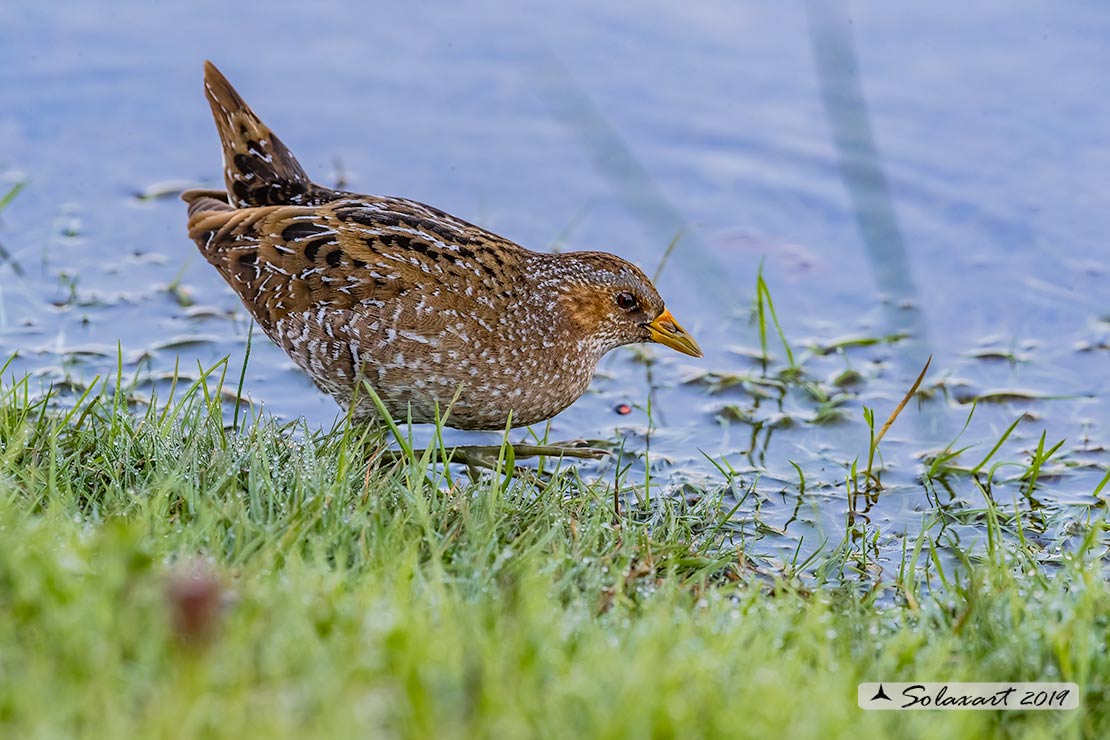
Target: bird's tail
258,167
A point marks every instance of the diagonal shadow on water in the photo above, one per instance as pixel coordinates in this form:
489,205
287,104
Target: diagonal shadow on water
861,169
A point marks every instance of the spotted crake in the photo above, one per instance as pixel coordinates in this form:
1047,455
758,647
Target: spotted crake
423,306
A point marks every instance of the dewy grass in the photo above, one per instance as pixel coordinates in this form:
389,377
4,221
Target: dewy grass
355,600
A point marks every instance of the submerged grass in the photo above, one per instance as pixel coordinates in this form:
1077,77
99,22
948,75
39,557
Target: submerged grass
162,574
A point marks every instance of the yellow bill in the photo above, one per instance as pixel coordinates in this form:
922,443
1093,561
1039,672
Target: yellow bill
666,330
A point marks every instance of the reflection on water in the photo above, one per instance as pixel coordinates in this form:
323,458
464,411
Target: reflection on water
914,182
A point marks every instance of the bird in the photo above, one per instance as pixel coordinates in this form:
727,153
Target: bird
442,319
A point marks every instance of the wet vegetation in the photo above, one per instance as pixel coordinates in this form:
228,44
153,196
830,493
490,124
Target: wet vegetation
165,573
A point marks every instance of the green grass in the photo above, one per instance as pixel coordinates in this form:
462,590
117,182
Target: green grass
401,601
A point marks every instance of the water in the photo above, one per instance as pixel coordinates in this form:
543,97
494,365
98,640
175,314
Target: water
939,172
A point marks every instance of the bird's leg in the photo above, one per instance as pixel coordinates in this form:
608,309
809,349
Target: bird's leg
487,456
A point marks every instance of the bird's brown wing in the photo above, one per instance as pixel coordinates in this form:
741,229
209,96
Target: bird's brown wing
377,287
293,259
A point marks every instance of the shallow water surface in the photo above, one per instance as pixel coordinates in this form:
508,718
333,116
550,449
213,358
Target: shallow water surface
913,182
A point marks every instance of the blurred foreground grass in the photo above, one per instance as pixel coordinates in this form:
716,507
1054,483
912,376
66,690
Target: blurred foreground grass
162,576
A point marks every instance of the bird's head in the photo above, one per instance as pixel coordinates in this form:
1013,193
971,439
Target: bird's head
612,302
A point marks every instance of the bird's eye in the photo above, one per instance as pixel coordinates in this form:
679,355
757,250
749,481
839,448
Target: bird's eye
626,301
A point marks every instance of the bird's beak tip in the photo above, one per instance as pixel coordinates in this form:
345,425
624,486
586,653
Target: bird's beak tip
667,331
